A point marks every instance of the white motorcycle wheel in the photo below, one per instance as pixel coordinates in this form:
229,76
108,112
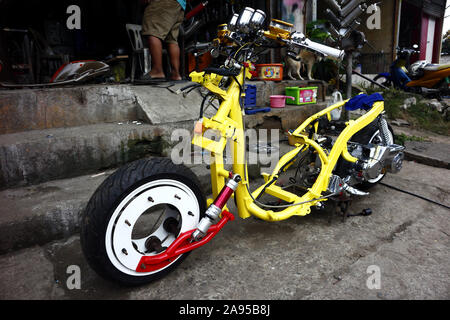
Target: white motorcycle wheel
143,202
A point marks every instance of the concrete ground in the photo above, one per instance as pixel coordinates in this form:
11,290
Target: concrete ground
445,59
406,241
430,149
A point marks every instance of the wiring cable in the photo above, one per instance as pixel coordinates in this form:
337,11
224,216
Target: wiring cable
414,195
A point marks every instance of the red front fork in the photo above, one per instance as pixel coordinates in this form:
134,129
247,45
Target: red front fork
184,243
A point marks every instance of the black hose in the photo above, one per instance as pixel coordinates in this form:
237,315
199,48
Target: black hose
202,106
414,195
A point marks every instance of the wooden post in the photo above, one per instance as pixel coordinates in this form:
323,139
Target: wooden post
349,58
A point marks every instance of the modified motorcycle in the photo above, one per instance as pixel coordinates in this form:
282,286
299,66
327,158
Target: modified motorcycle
145,218
421,77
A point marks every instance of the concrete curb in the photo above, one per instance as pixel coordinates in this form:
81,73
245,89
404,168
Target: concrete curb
39,109
37,156
428,153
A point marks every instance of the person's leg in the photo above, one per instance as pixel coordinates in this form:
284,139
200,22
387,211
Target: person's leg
156,49
172,42
174,56
157,23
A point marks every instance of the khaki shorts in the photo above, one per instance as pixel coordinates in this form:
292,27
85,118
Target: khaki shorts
162,19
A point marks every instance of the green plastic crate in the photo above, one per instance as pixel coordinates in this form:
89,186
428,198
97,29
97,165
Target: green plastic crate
302,96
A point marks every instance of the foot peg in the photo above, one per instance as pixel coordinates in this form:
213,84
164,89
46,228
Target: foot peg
338,185
365,213
354,191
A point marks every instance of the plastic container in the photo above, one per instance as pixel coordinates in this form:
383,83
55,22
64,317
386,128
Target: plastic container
293,92
336,113
250,101
256,110
270,72
279,101
302,95
250,96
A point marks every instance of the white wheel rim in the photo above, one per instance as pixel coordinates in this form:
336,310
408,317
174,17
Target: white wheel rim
118,239
391,141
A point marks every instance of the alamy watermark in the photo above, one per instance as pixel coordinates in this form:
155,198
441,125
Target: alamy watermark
374,280
374,21
74,279
258,147
74,20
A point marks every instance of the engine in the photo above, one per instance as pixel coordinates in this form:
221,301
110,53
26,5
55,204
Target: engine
373,162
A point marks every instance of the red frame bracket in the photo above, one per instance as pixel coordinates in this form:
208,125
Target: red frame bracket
181,245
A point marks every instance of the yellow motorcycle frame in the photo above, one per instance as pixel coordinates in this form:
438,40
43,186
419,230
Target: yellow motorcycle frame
229,124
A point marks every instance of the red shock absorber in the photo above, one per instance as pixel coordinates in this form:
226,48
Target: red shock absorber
227,191
215,209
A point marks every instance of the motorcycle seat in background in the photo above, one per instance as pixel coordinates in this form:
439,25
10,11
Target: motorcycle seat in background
436,67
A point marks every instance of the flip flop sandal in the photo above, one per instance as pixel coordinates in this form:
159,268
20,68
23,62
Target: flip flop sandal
148,79
177,81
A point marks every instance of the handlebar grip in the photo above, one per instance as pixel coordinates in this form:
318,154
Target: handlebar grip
202,46
222,71
195,11
198,46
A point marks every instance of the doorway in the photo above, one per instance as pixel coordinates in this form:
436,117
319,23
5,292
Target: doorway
430,39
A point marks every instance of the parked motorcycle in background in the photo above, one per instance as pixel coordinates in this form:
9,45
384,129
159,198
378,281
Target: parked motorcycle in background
421,77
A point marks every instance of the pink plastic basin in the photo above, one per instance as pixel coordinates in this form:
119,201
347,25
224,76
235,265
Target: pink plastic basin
279,101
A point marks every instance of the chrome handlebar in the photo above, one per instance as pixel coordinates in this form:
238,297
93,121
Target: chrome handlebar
247,28
298,39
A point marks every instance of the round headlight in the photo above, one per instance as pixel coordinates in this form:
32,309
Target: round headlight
257,20
233,22
243,24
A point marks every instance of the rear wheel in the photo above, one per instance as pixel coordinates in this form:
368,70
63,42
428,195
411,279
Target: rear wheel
371,135
139,211
444,90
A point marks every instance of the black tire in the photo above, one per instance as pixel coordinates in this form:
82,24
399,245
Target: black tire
444,90
383,80
108,196
364,137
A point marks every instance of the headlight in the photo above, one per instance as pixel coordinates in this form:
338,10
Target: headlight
243,24
257,20
280,28
233,22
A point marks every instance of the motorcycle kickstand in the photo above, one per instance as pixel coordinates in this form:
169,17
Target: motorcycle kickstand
343,207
